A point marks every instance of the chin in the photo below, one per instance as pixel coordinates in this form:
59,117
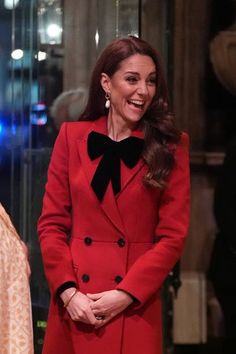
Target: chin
135,119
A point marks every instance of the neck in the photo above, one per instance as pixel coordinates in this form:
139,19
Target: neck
118,130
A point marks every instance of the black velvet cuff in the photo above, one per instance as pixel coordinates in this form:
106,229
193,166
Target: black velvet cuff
64,286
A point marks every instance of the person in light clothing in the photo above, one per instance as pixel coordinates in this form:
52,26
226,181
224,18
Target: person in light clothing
16,334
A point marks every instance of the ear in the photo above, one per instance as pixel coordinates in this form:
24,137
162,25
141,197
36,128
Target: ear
105,82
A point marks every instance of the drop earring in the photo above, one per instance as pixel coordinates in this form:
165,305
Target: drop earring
108,102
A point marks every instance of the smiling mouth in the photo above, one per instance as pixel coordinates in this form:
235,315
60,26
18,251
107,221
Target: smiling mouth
137,103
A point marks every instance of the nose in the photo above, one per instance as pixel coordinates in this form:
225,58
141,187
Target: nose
142,89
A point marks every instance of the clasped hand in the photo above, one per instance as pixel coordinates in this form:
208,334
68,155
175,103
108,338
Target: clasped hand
105,305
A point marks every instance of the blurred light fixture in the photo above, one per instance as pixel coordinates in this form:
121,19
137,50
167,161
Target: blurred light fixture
97,38
17,54
54,31
41,56
38,114
10,4
50,21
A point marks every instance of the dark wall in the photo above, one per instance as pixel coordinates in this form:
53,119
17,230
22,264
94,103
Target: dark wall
220,103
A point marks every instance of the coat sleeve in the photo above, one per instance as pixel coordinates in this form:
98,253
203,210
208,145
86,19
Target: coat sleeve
54,224
147,274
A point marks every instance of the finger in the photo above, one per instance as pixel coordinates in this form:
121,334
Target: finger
103,322
83,318
97,312
95,296
96,308
99,305
91,318
83,314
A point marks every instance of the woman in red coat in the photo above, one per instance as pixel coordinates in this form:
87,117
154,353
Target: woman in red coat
115,211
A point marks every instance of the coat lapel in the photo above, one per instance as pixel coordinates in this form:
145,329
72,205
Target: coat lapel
108,204
127,174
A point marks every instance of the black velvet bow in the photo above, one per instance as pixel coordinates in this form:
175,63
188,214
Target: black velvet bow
127,150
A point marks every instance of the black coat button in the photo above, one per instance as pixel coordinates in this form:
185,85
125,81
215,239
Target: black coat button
118,279
121,242
85,278
88,241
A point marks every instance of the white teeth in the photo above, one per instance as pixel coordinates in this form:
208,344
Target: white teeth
137,102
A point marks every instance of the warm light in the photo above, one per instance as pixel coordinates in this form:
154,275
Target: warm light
10,4
17,54
96,38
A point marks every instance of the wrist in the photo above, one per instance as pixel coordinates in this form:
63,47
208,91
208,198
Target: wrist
127,297
70,298
66,294
64,286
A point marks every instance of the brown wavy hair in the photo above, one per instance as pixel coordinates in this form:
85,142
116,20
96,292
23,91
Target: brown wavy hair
160,134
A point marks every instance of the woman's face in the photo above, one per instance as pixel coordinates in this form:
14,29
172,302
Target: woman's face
132,88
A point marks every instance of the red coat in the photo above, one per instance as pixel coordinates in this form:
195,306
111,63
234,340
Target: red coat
130,242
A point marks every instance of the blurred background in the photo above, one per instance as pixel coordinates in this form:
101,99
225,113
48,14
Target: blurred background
48,47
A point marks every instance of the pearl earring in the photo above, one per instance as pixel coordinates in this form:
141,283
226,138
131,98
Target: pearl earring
108,102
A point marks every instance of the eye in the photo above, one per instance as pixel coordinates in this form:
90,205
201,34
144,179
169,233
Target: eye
131,79
152,80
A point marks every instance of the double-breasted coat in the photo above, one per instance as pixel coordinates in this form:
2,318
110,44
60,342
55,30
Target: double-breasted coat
128,242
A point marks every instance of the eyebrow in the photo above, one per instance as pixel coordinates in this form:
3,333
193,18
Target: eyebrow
137,73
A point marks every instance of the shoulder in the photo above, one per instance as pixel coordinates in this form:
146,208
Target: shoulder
80,129
182,148
75,129
183,144
184,139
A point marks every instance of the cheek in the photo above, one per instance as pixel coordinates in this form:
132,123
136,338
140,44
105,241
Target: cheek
121,96
123,90
152,92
